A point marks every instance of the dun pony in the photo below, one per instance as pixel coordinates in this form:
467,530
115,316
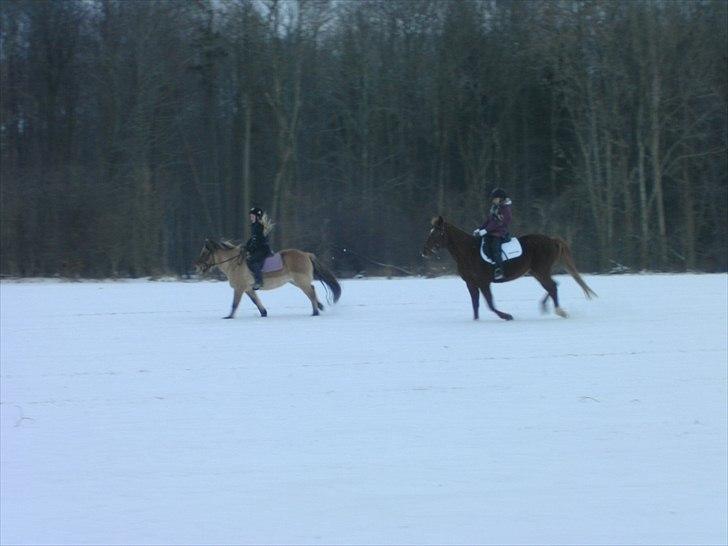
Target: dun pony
299,268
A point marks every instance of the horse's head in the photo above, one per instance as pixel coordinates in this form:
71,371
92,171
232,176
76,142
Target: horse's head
206,259
436,239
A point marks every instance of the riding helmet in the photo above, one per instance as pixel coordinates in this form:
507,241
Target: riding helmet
498,192
257,211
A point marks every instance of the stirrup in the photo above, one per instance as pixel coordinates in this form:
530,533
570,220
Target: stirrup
498,273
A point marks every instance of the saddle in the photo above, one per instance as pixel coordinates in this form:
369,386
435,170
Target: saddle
509,249
273,263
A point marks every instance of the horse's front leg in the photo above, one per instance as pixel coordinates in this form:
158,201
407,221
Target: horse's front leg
475,299
236,300
489,298
254,297
544,303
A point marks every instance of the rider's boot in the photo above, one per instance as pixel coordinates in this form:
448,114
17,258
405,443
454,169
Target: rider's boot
498,259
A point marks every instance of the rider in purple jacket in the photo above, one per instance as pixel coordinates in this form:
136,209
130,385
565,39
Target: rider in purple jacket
495,228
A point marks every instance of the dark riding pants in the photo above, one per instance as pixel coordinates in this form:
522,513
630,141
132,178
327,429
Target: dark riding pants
493,245
255,264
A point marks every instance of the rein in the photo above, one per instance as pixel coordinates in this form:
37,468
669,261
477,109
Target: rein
448,239
215,264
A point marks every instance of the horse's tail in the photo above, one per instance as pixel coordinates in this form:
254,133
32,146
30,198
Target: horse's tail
568,261
322,273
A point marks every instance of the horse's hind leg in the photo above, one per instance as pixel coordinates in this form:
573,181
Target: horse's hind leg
254,297
489,299
550,285
236,300
310,291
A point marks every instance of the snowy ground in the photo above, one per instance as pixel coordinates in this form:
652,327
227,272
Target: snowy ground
132,414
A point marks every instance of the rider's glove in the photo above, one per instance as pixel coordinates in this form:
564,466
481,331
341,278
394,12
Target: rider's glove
479,232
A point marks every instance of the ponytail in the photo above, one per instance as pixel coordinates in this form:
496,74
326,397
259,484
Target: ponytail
267,223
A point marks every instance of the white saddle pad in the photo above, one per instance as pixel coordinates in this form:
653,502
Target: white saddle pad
511,249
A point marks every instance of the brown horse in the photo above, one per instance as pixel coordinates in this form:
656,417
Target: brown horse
299,268
540,252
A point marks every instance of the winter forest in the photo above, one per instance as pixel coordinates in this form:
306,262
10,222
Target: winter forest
132,130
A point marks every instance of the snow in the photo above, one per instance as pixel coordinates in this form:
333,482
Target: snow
132,414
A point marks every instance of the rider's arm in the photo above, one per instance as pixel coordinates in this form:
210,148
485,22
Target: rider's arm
505,215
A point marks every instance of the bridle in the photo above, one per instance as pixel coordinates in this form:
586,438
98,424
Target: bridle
434,249
208,266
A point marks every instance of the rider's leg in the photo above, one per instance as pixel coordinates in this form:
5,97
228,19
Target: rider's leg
494,244
255,264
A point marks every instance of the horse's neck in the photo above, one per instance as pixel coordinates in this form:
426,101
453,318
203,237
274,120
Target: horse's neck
227,260
459,243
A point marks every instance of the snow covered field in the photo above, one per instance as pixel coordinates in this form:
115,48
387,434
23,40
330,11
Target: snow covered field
132,414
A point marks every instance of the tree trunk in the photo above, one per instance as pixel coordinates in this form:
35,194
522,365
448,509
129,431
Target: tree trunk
655,136
245,181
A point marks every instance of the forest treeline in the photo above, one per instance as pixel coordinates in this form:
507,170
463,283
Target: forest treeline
133,129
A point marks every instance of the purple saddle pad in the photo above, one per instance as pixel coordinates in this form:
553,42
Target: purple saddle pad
273,263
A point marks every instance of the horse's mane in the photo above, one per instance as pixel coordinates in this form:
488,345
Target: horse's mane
227,244
456,228
436,220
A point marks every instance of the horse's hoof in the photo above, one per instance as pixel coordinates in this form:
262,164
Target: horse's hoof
559,311
264,313
227,317
506,316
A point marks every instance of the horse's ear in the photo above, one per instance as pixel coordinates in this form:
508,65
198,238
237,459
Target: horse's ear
437,221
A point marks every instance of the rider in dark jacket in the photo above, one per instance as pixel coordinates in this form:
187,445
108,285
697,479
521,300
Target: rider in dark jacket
257,248
495,228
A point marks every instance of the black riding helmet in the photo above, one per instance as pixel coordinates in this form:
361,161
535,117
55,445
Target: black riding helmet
257,212
498,192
